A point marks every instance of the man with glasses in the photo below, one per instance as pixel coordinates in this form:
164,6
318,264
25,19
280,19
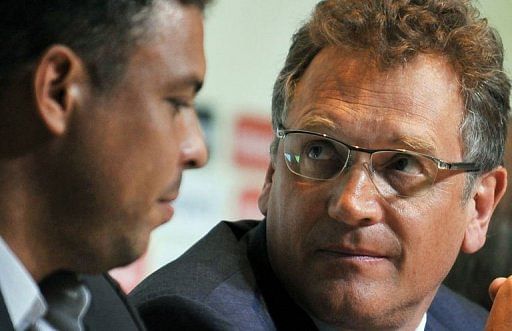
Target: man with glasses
390,121
395,172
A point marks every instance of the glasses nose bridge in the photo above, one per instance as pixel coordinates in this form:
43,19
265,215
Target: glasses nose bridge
366,164
352,150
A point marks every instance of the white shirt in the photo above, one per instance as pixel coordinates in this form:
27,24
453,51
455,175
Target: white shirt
423,323
25,303
323,327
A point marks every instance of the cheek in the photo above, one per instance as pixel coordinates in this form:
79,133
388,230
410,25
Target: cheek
141,154
439,214
431,230
296,206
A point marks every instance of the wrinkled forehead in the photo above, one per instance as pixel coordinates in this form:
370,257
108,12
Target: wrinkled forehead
356,73
347,91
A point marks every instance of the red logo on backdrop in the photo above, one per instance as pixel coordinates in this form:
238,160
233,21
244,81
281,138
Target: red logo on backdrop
253,135
248,204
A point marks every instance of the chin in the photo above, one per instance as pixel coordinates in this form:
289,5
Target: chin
121,252
132,251
349,307
349,313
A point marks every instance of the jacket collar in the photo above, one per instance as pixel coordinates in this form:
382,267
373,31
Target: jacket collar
285,314
5,320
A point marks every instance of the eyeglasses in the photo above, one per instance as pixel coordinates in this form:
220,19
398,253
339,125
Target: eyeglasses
394,172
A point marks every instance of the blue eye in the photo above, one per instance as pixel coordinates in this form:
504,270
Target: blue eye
405,163
315,152
320,150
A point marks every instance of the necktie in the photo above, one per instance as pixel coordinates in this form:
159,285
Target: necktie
68,300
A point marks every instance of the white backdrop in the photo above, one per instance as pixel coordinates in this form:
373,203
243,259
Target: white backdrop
246,43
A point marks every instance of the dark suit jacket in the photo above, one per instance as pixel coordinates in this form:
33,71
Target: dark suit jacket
5,320
109,309
225,282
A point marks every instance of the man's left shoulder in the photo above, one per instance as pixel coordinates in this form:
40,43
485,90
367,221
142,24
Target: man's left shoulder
109,309
450,311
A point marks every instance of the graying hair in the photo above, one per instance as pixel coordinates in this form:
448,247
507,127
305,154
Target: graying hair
394,32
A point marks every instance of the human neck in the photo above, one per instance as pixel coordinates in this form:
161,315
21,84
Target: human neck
22,214
415,320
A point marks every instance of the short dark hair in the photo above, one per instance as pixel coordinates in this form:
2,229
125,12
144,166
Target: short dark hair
99,31
395,32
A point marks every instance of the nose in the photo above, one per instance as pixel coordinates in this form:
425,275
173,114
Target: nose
355,200
193,151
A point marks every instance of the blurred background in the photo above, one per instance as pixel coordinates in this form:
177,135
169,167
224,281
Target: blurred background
246,43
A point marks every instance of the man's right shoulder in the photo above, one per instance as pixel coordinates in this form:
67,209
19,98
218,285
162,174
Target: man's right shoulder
213,259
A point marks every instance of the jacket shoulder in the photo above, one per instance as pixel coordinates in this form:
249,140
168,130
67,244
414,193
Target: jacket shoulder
451,311
109,309
213,259
179,313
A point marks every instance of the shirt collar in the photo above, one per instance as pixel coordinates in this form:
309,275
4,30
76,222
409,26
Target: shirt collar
21,294
324,327
423,323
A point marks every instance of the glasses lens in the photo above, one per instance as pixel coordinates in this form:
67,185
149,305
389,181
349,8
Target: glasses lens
313,156
402,173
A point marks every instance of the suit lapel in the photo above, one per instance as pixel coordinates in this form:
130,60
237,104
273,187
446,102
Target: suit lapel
433,324
109,308
5,320
286,315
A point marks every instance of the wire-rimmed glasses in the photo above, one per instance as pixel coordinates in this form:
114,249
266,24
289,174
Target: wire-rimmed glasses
397,172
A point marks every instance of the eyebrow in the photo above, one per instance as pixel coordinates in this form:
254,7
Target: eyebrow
416,144
412,143
198,85
186,82
195,82
314,121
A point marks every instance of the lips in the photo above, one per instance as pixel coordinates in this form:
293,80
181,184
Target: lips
352,253
164,202
168,198
171,192
166,207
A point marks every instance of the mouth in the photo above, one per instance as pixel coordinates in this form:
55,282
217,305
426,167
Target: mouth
166,207
352,254
166,200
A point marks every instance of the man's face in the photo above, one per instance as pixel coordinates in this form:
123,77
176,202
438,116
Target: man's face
125,151
345,253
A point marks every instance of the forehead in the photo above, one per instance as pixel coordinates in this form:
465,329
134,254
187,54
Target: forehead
346,92
171,48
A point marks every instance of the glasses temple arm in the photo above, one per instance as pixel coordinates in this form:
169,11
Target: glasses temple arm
464,166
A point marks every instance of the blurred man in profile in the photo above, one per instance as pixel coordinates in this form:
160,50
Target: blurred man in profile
390,121
97,100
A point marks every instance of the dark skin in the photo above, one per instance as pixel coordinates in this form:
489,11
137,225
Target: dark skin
86,175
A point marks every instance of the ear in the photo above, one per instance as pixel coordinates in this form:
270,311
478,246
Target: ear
489,190
265,192
57,87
